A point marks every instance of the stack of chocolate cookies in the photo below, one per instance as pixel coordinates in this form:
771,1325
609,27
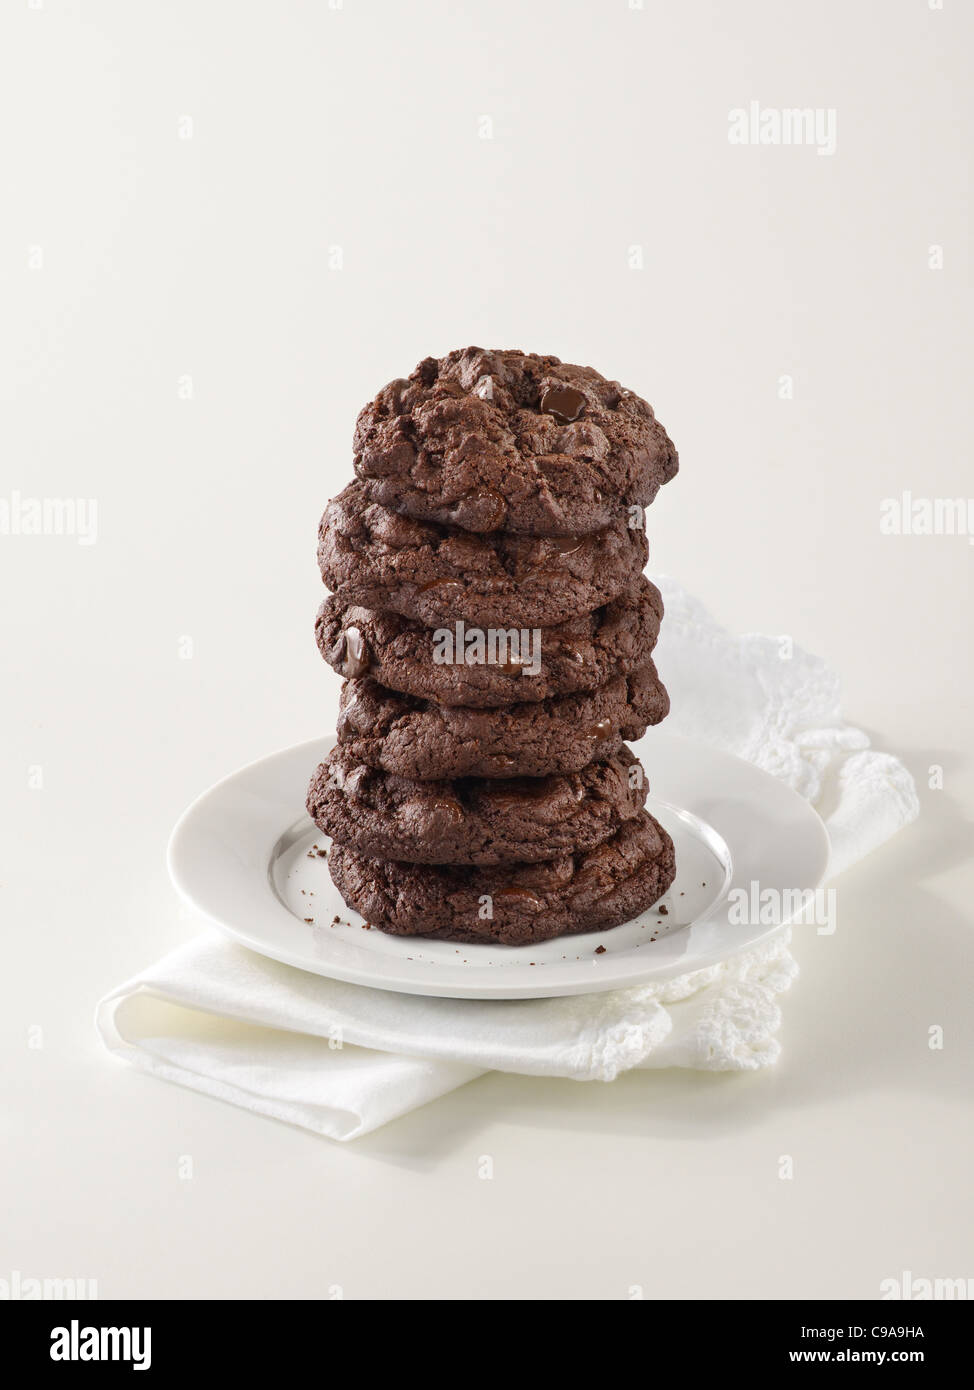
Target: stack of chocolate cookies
491,619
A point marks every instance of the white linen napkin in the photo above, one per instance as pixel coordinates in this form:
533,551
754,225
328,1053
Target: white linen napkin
342,1059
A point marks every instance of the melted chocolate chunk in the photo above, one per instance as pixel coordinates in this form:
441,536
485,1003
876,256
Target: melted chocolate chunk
356,660
563,402
523,895
483,510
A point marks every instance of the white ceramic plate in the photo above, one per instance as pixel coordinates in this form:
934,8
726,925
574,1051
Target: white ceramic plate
243,856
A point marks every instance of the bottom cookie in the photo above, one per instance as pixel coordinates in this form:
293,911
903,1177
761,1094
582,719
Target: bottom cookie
517,904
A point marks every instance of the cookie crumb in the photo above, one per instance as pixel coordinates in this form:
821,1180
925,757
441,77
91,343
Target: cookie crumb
600,950
309,919
663,911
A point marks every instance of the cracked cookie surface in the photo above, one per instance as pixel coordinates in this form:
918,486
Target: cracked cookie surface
417,738
502,439
514,665
374,558
469,821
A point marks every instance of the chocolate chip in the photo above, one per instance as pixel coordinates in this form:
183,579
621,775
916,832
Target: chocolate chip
356,661
563,402
483,510
522,895
440,584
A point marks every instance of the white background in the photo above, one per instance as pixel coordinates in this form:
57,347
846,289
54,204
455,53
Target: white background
209,257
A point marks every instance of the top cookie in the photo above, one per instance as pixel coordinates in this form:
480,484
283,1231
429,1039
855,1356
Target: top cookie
513,441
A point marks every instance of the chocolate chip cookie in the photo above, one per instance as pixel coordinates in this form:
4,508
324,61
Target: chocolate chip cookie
376,559
514,441
411,737
515,904
469,821
457,665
